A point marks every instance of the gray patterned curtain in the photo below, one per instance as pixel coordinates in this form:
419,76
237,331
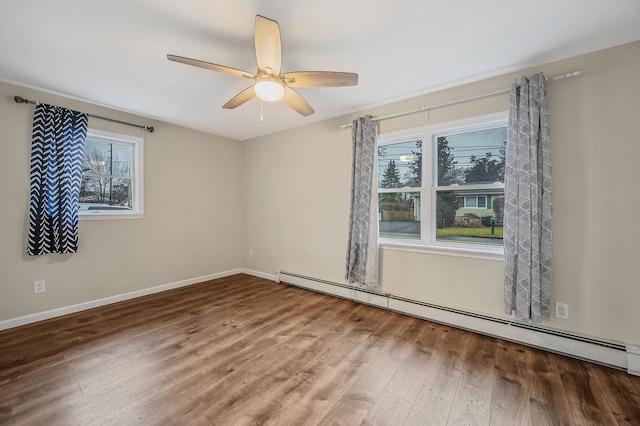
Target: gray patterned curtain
57,154
528,203
362,251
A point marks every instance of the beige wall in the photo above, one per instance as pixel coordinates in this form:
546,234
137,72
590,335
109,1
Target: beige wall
289,204
297,199
192,227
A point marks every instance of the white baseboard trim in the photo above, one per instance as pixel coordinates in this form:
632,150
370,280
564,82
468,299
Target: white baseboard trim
259,274
41,316
606,353
369,298
633,359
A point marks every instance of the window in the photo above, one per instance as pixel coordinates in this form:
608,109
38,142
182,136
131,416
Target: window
443,186
111,186
473,201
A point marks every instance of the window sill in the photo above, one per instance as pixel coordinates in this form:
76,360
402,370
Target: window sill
110,216
460,250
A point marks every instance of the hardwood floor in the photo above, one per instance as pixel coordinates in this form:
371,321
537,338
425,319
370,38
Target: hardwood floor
243,350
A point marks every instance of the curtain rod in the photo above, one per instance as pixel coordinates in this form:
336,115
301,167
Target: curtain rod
21,100
458,101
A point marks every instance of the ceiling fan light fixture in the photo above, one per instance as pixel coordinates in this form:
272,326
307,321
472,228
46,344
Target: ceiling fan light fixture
269,83
269,89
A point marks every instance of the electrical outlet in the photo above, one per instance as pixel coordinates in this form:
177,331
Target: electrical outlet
250,254
562,310
39,287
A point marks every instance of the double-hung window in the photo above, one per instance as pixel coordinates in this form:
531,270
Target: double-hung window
111,186
442,187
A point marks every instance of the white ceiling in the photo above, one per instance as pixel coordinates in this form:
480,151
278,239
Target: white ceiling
113,52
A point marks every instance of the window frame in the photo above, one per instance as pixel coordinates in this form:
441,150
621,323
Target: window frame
429,188
137,177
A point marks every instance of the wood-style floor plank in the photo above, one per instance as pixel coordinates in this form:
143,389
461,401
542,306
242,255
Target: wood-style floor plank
360,397
583,391
434,401
509,399
620,392
388,410
242,350
471,406
544,385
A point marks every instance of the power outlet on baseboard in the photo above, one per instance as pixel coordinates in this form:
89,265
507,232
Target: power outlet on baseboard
39,287
562,310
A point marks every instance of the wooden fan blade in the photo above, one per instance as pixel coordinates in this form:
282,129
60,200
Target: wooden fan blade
210,66
268,45
242,97
320,79
292,99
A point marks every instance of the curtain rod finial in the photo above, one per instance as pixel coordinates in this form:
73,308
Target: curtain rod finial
19,99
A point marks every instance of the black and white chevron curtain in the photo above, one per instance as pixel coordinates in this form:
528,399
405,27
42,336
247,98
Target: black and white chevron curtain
57,154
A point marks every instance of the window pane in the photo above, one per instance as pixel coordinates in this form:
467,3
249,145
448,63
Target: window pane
107,158
473,157
470,202
102,193
482,202
400,165
399,215
479,225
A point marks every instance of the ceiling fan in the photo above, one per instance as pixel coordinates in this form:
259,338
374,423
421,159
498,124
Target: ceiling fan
270,84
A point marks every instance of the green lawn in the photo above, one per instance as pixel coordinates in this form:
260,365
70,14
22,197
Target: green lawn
470,232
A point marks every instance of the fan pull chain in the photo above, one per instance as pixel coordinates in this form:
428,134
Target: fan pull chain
261,117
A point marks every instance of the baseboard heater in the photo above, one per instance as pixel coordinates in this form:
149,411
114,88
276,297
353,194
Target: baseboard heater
610,354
